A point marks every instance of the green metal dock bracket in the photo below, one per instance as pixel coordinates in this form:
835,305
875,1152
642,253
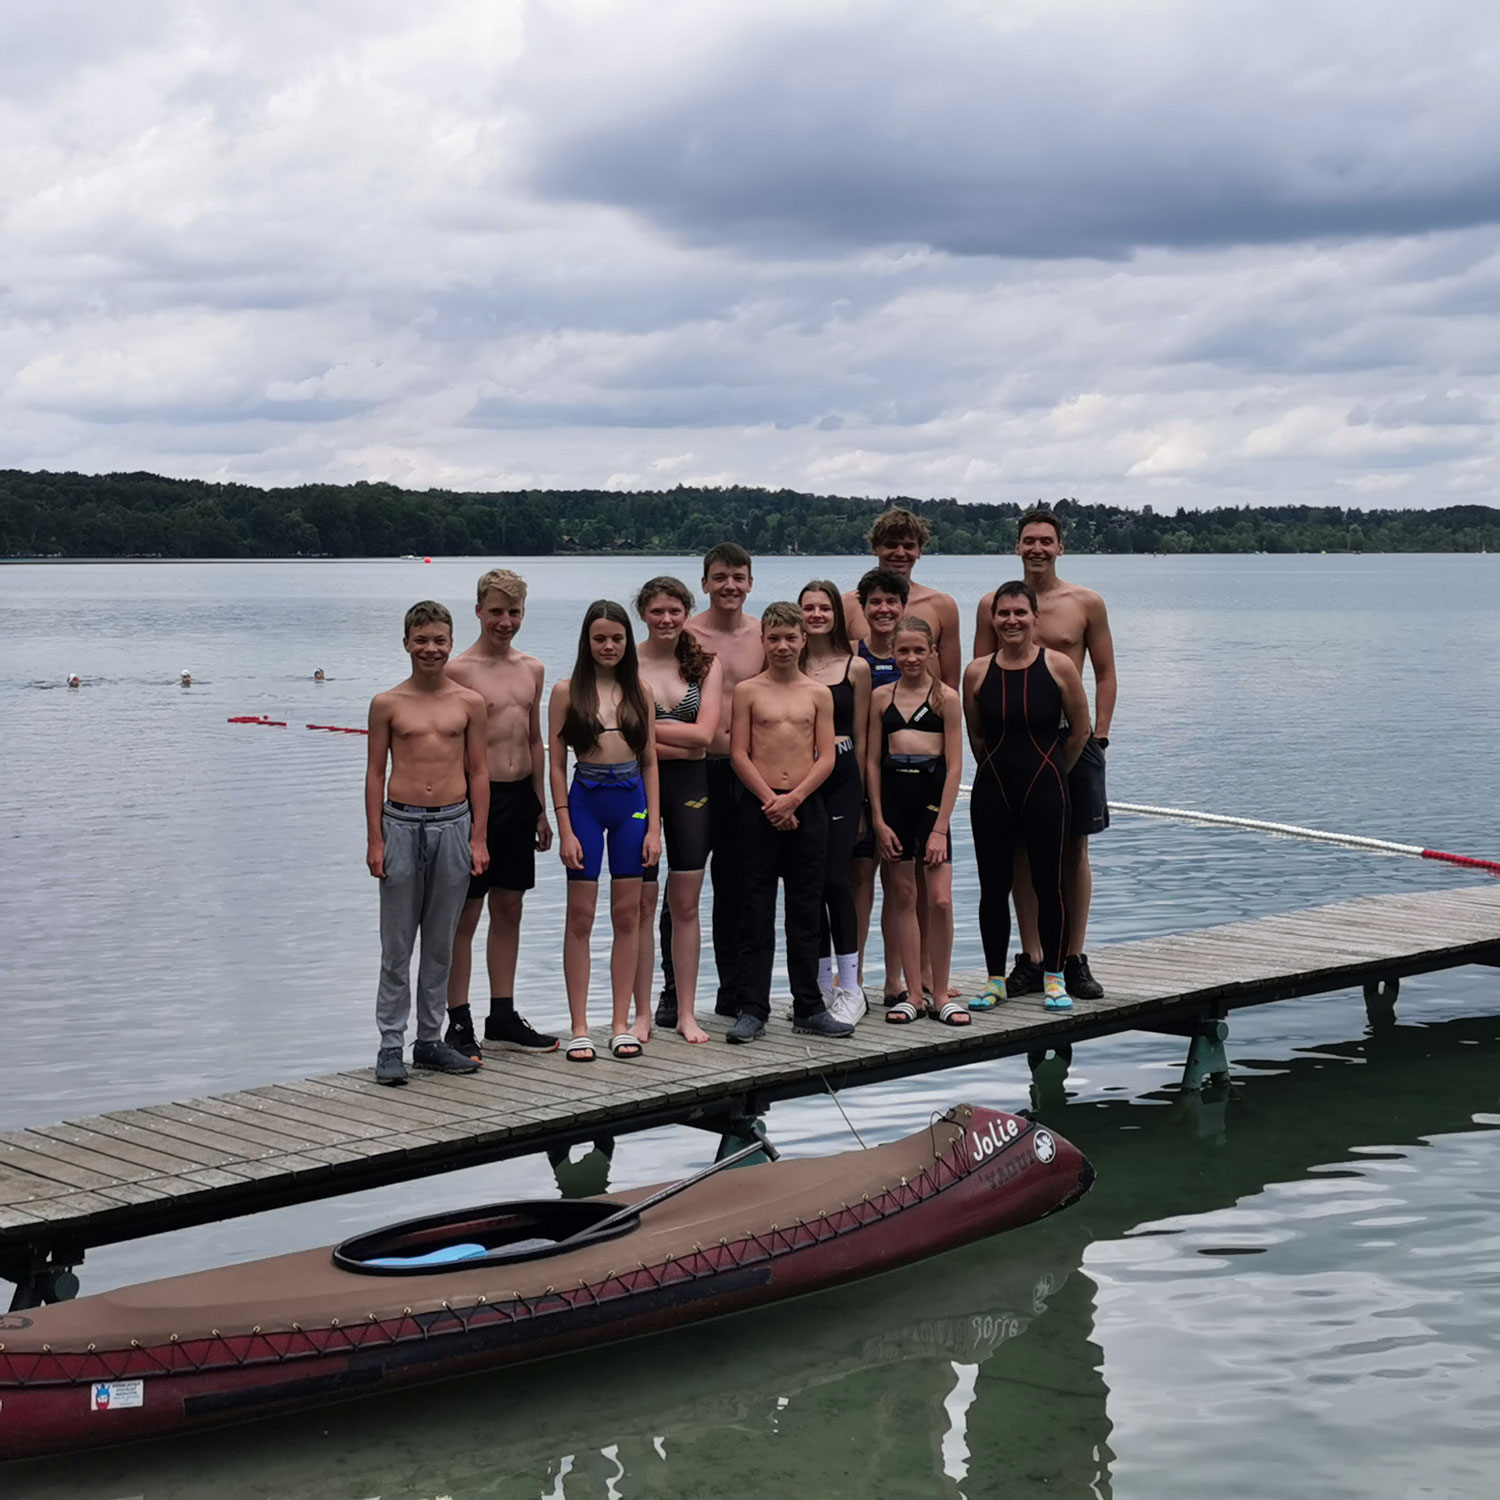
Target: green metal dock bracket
1380,1000
740,1131
42,1277
1049,1075
589,1175
1206,1062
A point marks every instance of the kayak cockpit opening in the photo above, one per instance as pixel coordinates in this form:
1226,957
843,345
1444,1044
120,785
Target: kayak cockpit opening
494,1235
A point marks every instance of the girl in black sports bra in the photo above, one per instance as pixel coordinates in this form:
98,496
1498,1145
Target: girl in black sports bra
690,680
1014,702
829,660
915,756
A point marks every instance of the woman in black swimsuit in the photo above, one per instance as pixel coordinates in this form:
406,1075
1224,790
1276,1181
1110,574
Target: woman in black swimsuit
1015,703
688,684
915,756
830,660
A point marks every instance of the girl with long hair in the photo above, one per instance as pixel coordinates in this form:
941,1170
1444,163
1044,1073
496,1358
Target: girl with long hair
915,757
605,715
687,684
831,660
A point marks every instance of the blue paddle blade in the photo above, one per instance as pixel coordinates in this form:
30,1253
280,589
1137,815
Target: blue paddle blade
439,1257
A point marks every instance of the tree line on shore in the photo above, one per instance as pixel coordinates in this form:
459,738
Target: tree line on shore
146,515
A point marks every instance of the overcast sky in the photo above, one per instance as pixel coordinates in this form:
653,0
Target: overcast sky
1135,251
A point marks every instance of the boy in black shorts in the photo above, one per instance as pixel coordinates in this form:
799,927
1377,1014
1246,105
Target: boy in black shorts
510,682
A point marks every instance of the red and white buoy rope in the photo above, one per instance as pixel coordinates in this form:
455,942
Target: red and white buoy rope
1317,835
261,721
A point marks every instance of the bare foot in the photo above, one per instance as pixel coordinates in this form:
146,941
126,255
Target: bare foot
689,1029
640,1029
954,991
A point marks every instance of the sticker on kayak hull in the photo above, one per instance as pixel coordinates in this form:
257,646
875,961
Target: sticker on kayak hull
116,1395
1044,1146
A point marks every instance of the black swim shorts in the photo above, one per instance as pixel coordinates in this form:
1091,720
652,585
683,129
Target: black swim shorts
1090,805
685,819
511,837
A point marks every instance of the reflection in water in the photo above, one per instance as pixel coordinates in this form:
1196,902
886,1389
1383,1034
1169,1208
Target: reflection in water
974,1375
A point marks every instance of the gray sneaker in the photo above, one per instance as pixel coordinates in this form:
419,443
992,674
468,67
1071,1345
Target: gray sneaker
746,1028
822,1024
441,1058
389,1068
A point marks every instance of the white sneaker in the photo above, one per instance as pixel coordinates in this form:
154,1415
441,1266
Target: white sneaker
848,1005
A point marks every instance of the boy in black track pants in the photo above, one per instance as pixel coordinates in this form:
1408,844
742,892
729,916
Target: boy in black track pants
781,742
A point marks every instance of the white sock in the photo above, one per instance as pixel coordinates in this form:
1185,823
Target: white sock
825,972
848,971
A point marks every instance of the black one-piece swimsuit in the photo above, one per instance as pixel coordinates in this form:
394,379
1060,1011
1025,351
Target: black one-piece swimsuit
1020,797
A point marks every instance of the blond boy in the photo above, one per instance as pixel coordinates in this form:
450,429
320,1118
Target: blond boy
510,682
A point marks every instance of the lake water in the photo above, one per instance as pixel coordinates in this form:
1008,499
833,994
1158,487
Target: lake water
1294,1294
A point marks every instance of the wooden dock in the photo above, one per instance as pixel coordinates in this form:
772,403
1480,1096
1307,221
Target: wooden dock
67,1187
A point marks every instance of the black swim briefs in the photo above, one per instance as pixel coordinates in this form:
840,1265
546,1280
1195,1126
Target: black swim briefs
1089,804
511,837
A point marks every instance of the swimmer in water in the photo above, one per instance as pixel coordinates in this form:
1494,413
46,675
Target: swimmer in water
318,675
186,679
74,680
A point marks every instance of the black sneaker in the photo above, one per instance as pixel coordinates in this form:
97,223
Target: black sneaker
460,1036
1080,980
746,1028
1025,977
666,1010
389,1068
820,1023
514,1033
441,1058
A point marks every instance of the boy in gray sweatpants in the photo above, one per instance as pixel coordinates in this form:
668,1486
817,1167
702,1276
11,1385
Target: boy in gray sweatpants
426,832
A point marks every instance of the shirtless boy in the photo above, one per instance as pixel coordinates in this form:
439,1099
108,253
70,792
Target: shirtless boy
725,631
424,845
510,682
897,538
781,742
1072,620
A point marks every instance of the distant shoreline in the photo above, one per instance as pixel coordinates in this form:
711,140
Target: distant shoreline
480,557
149,518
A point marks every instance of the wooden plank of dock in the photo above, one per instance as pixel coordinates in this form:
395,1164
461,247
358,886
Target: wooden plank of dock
68,1186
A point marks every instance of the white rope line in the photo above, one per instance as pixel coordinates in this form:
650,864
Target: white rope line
1288,830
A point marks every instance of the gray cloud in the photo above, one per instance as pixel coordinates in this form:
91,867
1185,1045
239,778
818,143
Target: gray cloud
1079,130
1177,254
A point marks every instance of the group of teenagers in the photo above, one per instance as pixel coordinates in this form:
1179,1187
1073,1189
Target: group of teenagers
805,749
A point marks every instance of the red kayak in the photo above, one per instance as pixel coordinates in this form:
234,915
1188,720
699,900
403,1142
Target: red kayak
492,1286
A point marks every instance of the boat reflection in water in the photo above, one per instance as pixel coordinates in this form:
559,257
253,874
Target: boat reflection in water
973,1374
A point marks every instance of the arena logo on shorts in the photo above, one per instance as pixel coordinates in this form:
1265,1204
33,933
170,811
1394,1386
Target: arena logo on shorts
640,815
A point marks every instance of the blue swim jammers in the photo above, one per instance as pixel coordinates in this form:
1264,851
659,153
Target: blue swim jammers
607,803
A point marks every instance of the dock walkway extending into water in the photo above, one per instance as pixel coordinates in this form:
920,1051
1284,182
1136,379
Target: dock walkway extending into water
67,1187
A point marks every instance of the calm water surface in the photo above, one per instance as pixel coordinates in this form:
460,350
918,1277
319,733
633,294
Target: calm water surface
1293,1293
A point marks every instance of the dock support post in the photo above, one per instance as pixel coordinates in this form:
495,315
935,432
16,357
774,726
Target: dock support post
1380,1000
589,1175
745,1130
1206,1059
1049,1073
42,1277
